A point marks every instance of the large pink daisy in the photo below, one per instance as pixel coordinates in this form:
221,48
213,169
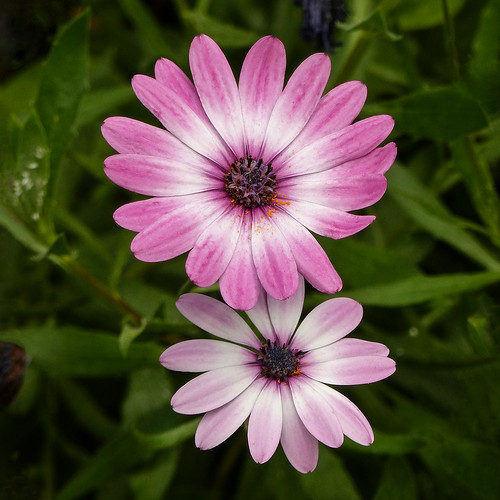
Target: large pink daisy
245,170
279,380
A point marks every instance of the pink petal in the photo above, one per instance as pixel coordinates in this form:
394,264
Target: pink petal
351,142
217,425
156,176
213,389
218,91
138,215
260,85
327,323
335,189
259,316
182,118
296,104
312,261
315,412
299,445
327,221
216,318
239,283
285,314
130,136
176,232
351,371
354,424
264,425
345,348
200,355
335,110
214,248
272,257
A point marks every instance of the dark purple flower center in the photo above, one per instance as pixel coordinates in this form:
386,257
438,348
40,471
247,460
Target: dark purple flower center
279,362
251,183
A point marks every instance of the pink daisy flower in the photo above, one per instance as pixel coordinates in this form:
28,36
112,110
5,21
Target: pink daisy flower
245,170
278,381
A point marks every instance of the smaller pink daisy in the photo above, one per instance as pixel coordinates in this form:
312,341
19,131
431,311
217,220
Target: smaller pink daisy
279,382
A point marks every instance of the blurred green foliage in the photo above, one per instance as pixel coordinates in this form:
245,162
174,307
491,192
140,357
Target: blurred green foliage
93,418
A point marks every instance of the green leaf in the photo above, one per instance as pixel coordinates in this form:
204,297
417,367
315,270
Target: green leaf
480,183
398,481
168,438
226,35
25,172
152,482
375,23
78,352
119,455
430,213
149,29
63,83
420,289
423,14
330,480
442,113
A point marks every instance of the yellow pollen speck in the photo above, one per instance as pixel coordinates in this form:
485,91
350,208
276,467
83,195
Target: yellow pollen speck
270,212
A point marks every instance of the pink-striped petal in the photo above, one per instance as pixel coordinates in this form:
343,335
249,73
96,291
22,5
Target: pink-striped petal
218,91
200,355
351,142
296,104
312,261
130,136
273,258
327,221
239,284
351,371
216,318
335,110
138,215
214,249
265,423
285,314
260,85
217,425
259,316
345,348
338,190
315,412
299,445
327,323
182,118
213,389
156,176
354,424
176,232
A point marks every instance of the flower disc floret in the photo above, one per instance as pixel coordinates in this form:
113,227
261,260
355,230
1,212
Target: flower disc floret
251,183
279,362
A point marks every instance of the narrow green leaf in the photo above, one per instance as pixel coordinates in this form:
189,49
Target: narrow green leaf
423,14
420,289
20,232
63,83
168,438
398,481
119,455
374,23
79,352
152,482
330,480
480,183
428,212
226,35
150,31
